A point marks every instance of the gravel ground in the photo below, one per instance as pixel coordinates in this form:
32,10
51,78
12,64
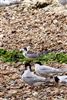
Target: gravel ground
40,28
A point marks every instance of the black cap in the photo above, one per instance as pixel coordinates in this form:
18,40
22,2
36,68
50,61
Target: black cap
25,49
56,79
38,63
27,64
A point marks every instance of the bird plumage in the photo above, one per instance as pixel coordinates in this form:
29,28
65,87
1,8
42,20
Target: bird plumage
29,54
32,79
61,79
46,70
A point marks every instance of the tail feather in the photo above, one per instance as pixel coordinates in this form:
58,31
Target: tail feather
63,70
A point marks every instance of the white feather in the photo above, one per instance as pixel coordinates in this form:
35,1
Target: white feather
46,70
62,79
31,78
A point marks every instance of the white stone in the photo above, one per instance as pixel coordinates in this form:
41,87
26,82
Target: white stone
29,99
35,94
1,36
55,21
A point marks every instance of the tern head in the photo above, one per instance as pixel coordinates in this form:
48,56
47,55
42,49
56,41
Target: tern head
39,63
56,79
28,66
23,49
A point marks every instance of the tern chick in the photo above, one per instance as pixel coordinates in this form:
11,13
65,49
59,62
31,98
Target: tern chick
44,70
61,79
30,78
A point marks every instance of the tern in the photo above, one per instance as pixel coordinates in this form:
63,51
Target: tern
30,78
29,54
61,79
45,70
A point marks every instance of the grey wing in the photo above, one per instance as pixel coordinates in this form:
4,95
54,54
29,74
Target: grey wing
32,55
33,79
44,52
48,69
29,80
38,78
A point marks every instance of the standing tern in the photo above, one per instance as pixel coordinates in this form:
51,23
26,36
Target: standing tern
61,79
30,78
29,54
44,70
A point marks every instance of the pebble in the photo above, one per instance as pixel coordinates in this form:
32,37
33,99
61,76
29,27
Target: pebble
15,76
3,99
30,99
55,21
1,93
1,36
10,92
35,94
